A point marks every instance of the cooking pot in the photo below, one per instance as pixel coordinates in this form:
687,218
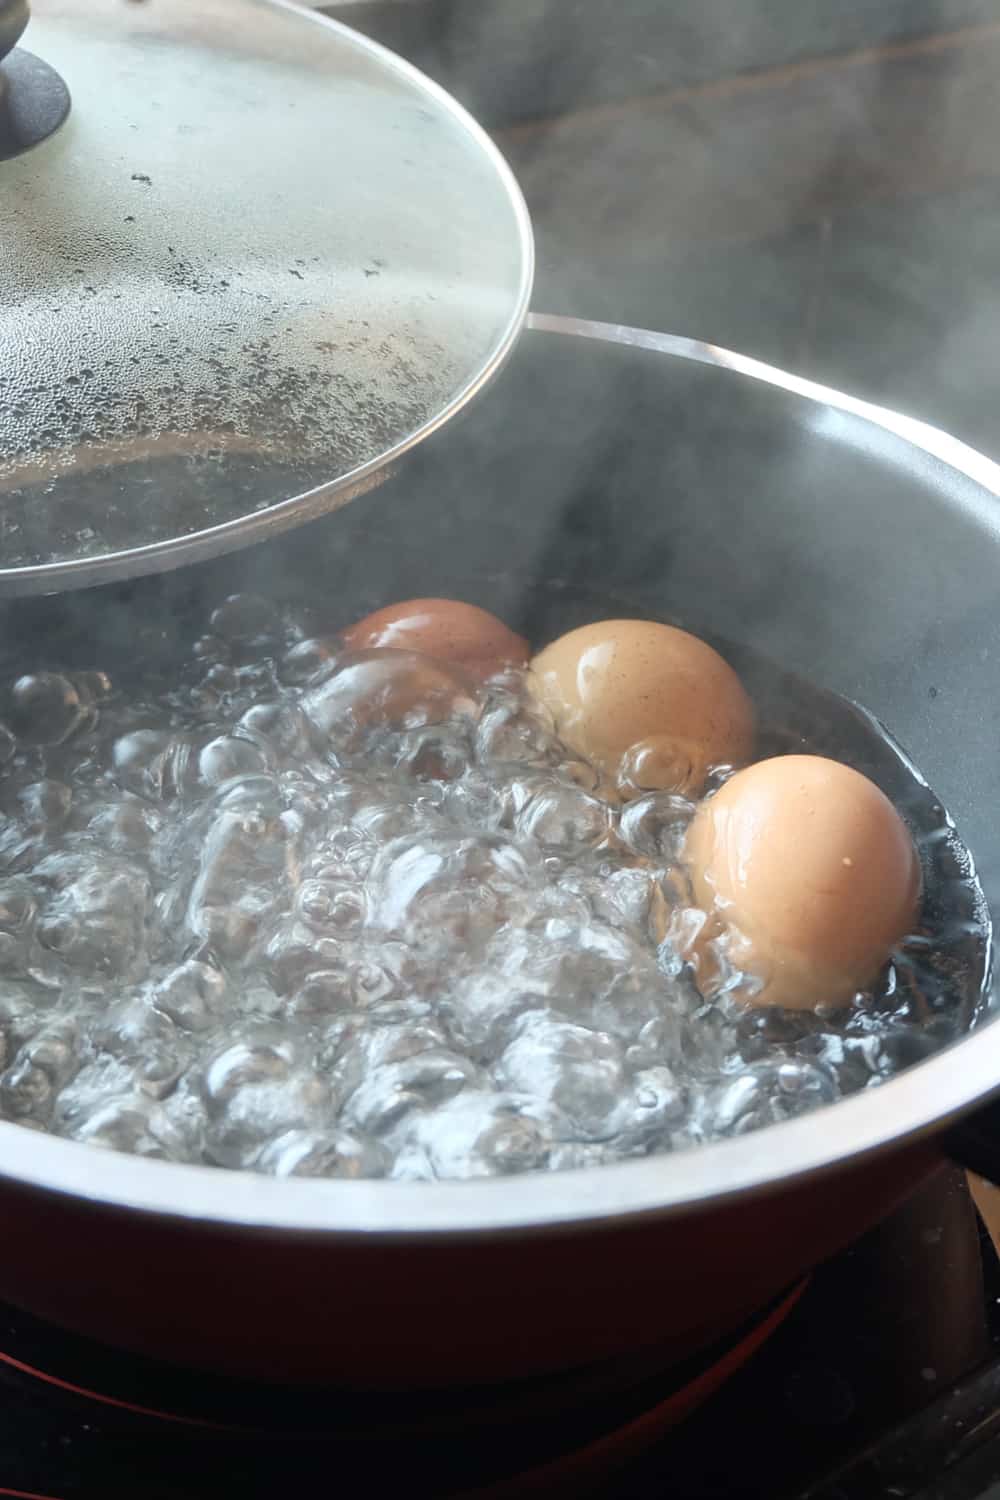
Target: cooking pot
607,468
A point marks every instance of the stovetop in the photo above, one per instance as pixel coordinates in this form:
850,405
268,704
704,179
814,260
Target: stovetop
878,1378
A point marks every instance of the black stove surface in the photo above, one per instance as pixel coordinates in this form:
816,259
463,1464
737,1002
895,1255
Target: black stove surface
883,1380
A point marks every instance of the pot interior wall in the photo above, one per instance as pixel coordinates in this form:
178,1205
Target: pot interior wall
593,479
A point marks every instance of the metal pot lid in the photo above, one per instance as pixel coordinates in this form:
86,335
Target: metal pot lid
261,258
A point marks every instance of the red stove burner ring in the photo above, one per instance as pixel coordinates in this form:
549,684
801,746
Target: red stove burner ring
27,1494
566,1432
24,1494
83,1372
596,1460
68,1387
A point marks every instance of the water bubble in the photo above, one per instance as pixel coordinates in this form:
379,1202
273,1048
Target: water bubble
45,708
238,883
126,827
657,764
192,995
211,649
246,619
736,1101
331,906
137,1032
96,922
385,815
153,763
599,976
297,951
565,818
446,884
23,1010
45,804
649,1111
310,660
768,1092
254,1061
257,1089
394,1089
477,1134
119,1125
324,993
625,898
654,826
513,731
660,1040
570,1156
580,1073
215,691
476,803
305,1153
28,1088
436,753
280,728
374,983
227,757
93,687
374,689
482,1010
17,904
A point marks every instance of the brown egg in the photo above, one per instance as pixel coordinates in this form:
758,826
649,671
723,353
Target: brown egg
444,628
815,872
654,707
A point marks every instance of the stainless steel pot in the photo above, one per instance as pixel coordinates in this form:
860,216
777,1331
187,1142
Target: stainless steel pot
855,546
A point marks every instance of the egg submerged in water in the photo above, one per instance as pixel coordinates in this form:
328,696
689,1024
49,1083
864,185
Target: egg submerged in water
813,872
464,634
652,706
386,689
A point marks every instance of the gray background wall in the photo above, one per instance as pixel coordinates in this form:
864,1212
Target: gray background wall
816,182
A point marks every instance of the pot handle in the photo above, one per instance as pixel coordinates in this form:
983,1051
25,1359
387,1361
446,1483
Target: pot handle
974,1142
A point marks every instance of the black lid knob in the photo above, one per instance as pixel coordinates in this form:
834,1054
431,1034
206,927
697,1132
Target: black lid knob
14,15
34,101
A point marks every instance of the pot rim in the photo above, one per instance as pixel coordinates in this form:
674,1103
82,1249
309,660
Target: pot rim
905,1109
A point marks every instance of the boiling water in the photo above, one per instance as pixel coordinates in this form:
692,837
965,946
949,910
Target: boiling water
246,919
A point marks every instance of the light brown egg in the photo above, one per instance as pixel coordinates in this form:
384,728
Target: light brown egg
445,628
654,707
814,871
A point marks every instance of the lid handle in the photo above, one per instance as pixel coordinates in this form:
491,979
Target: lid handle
34,101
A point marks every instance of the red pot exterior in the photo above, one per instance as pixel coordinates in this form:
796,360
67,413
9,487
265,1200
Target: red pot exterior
428,1311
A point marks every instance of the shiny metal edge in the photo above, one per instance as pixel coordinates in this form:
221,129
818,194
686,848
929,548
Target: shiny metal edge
932,440
905,1110
244,531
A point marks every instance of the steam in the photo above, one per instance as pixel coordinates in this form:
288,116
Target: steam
798,183
807,186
